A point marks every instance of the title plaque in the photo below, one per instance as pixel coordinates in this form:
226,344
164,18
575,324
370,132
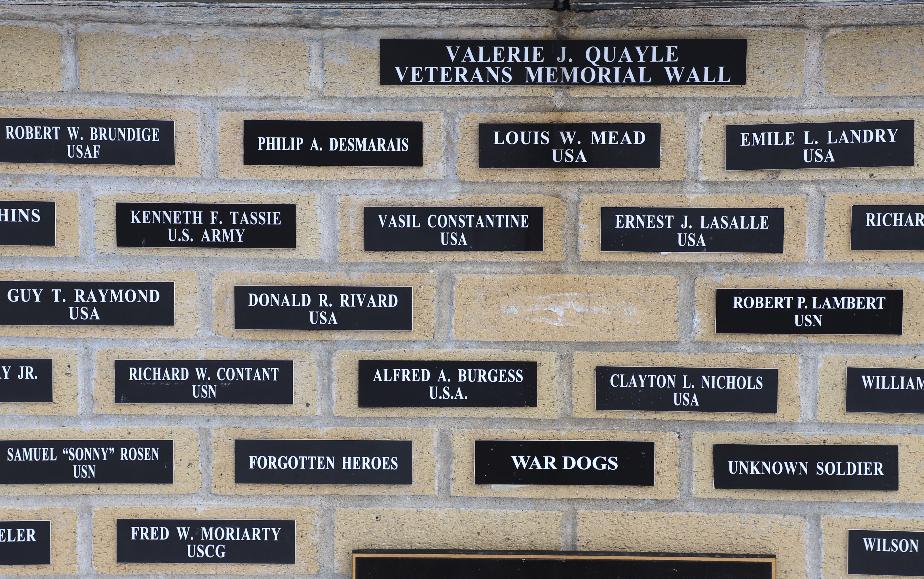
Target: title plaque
896,553
885,390
86,141
819,145
808,311
564,462
25,543
28,223
802,467
26,380
86,462
887,227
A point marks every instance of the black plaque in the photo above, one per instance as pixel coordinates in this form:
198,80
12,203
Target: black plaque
692,230
86,303
891,390
321,307
564,462
452,228
446,384
86,141
569,145
225,225
896,553
354,462
678,389
29,223
333,143
804,467
204,381
808,311
25,543
26,380
225,541
819,145
887,227
649,62
89,462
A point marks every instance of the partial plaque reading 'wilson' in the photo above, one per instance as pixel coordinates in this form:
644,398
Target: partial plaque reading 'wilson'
894,553
27,223
893,390
90,462
26,380
25,543
887,227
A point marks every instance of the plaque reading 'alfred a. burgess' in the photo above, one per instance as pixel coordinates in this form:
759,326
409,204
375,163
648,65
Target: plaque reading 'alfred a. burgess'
86,462
25,543
887,227
26,380
27,223
885,390
893,553
86,303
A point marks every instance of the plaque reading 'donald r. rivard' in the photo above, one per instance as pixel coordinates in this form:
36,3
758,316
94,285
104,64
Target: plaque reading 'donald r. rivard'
86,462
26,380
887,227
27,223
892,390
894,553
25,543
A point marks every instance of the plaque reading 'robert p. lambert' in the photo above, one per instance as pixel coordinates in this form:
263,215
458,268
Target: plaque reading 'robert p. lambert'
354,462
819,145
25,543
887,227
825,467
86,303
204,381
28,223
564,462
885,390
225,541
221,225
86,462
446,384
569,145
808,311
26,380
894,553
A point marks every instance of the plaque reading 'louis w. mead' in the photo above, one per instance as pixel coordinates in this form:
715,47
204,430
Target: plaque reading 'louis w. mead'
564,462
893,553
887,227
27,223
825,467
808,311
819,145
885,390
26,380
86,462
86,141
86,303
25,543
649,62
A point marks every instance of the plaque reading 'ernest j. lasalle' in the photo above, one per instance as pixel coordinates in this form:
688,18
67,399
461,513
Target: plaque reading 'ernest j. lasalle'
808,311
885,390
86,462
26,380
887,227
896,553
27,223
86,303
241,541
827,467
569,145
25,543
820,145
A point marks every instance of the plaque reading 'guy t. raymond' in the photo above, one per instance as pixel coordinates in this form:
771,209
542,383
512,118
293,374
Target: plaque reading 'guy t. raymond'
885,390
86,303
25,543
26,380
28,223
86,462
887,227
894,553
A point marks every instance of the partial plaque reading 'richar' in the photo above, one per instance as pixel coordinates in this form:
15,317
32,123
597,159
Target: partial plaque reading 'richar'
25,543
89,462
887,227
27,223
893,390
894,553
26,380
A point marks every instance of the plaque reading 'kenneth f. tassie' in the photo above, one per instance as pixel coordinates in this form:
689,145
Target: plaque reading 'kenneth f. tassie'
26,380
887,227
27,223
893,553
808,311
86,303
86,462
25,543
885,390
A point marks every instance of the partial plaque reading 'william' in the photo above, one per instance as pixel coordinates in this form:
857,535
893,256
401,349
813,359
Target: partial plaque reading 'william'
27,223
887,227
88,462
25,543
26,380
893,553
893,390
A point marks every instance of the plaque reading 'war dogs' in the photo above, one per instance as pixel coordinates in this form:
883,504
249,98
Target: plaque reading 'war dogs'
885,390
86,462
808,311
887,227
26,380
25,542
569,145
27,223
711,62
896,553
87,141
247,541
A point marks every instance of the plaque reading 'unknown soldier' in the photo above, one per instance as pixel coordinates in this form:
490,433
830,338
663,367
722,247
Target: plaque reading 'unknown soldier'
887,227
25,542
27,223
86,462
895,553
26,380
885,390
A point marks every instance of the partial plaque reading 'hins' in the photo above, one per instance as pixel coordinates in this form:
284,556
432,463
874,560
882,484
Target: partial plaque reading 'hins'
25,543
91,462
26,380
893,390
27,223
894,553
887,227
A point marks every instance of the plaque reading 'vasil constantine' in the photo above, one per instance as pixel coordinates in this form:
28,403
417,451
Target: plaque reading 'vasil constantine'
820,145
452,228
86,141
203,381
887,227
86,462
676,389
446,384
25,543
223,225
649,62
569,145
358,462
564,462
824,467
316,307
808,311
334,143
227,541
26,380
894,553
885,390
86,303
29,223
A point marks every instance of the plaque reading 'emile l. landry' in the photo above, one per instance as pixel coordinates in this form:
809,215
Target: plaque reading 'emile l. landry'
232,541
226,225
86,141
885,390
352,462
446,384
26,380
452,228
316,307
650,62
25,543
86,303
825,467
27,223
887,227
819,145
676,389
204,381
808,311
896,553
569,145
564,462
86,462
333,143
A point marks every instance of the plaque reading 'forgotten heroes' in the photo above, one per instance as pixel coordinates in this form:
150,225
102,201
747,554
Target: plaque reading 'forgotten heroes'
25,543
894,553
27,223
885,390
26,380
86,462
887,227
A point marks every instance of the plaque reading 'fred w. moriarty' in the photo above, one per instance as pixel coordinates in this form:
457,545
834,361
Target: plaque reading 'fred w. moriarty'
569,145
333,143
564,462
855,467
27,223
323,461
315,307
25,543
86,303
808,311
887,227
26,380
232,541
221,225
885,390
819,145
894,553
86,462
86,141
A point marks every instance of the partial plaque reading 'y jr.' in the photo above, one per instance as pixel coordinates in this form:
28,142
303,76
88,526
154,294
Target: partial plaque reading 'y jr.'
26,380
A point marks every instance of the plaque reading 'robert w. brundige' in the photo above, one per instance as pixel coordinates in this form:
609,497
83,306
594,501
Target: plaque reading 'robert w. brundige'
27,223
893,553
86,462
887,227
86,303
26,380
893,390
